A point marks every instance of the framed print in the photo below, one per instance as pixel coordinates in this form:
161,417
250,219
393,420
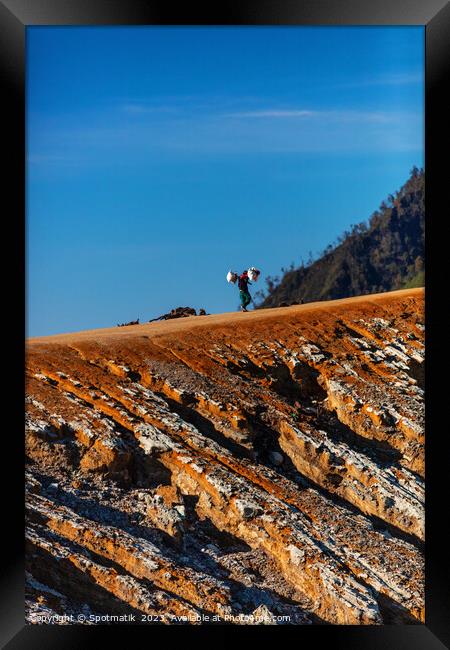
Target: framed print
216,441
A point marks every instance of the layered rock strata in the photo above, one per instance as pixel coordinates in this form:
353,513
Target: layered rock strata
241,468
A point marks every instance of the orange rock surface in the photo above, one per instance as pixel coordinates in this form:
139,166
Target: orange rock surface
238,468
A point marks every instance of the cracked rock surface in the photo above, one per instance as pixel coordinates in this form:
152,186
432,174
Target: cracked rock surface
260,468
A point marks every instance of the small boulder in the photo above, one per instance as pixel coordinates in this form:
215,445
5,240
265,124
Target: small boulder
276,458
247,509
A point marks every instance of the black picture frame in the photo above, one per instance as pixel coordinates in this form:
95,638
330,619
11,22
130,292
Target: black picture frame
15,16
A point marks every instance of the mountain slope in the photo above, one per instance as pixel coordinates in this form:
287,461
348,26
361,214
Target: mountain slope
385,255
267,464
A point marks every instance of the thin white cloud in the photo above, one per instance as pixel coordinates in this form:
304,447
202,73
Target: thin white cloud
334,115
213,110
112,140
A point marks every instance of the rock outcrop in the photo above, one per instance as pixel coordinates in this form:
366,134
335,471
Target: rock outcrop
262,468
178,312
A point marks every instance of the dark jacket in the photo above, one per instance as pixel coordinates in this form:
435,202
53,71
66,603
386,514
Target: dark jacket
243,282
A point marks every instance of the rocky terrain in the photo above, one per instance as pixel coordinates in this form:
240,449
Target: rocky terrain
262,468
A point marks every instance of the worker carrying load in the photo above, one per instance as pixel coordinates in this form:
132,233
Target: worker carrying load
246,278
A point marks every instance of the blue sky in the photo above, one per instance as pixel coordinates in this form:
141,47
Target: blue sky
160,157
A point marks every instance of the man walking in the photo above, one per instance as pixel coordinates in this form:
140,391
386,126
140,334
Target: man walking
243,290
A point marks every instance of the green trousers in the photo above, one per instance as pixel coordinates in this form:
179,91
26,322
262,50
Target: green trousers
245,298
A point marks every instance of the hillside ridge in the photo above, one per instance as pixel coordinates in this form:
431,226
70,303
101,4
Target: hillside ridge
384,254
213,320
